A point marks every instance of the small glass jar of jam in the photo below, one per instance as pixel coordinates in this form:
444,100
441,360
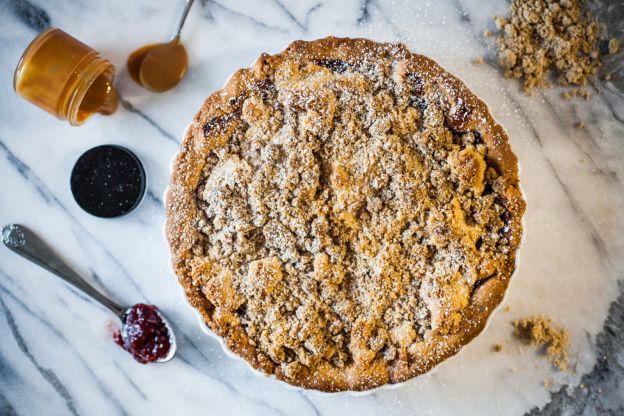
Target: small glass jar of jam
65,77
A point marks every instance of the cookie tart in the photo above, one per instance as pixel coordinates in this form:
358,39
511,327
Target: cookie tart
345,214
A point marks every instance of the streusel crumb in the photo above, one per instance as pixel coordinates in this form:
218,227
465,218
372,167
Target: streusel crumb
542,36
538,331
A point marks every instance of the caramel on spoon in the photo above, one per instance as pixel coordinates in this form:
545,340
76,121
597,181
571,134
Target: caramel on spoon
161,66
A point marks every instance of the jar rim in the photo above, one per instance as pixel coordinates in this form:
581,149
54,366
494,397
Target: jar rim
90,73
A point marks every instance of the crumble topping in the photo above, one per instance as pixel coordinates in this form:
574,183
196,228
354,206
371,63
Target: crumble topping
344,223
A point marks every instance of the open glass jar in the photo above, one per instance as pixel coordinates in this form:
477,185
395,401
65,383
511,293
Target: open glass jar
65,77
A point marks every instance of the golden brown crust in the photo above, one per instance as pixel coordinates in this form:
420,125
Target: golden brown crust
220,113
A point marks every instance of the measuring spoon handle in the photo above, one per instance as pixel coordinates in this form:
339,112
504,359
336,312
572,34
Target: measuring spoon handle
25,243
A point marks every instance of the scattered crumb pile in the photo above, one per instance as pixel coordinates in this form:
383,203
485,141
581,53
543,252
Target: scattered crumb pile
537,331
544,35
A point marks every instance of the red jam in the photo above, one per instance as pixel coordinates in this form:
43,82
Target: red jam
147,336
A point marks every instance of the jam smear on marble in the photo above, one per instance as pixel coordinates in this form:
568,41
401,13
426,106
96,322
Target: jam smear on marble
147,336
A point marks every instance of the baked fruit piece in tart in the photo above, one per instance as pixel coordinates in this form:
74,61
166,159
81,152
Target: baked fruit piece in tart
345,214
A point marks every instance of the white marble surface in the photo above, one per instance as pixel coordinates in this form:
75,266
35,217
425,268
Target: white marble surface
56,356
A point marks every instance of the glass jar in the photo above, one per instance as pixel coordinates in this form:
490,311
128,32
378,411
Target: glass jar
65,77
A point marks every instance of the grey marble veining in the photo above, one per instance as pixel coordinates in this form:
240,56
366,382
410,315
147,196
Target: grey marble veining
600,391
56,356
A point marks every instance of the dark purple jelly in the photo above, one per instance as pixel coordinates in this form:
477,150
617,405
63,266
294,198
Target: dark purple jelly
147,336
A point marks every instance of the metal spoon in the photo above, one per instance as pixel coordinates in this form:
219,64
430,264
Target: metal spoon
25,243
163,66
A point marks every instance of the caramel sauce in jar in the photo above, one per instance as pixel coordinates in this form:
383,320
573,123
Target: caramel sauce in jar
65,77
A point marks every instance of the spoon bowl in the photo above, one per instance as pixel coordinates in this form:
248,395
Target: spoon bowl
141,323
172,339
160,67
164,66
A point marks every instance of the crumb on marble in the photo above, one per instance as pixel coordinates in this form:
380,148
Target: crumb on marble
499,22
497,347
608,77
548,383
541,37
538,331
479,60
614,46
584,93
580,125
487,33
566,95
507,308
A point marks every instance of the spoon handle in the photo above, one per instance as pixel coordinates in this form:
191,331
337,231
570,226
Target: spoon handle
185,12
25,243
